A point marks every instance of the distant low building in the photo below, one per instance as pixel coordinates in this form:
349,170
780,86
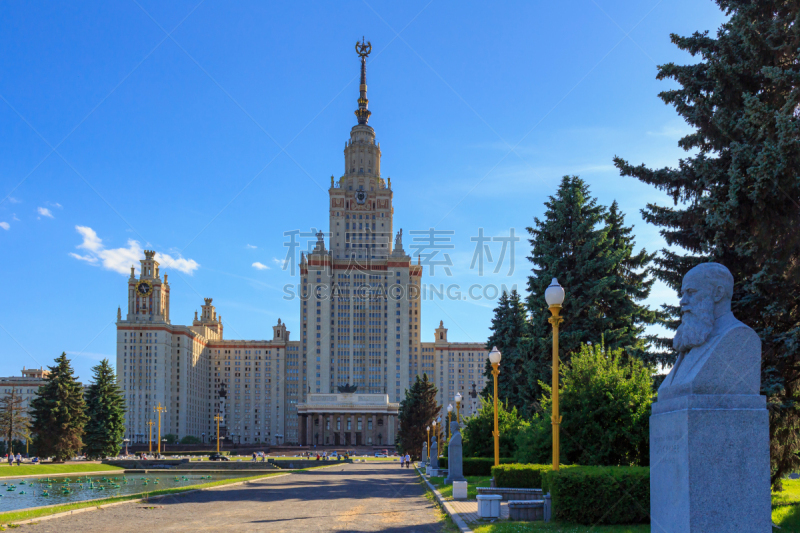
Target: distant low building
27,385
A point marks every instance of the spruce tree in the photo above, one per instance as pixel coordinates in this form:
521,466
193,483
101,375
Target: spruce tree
14,422
105,408
737,195
58,413
509,326
417,410
630,284
590,251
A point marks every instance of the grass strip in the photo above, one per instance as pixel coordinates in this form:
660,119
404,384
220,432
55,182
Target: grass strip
473,482
16,516
49,469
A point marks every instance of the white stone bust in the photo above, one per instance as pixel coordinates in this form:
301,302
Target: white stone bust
717,354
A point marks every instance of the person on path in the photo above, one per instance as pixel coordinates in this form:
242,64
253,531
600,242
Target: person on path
408,461
19,458
10,459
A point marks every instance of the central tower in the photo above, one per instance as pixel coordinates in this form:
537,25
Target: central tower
361,202
360,313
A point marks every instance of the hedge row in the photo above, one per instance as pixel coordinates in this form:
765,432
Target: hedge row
522,476
600,494
477,466
585,494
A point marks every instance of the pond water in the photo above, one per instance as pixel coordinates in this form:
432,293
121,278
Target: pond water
22,493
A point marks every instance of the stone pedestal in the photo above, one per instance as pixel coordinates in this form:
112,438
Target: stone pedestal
454,456
489,505
459,490
709,464
425,452
434,454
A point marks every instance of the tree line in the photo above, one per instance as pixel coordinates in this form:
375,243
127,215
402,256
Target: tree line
63,420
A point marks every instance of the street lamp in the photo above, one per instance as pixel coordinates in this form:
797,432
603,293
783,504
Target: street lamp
126,441
435,436
165,446
429,442
150,441
449,412
554,296
218,418
494,359
159,410
458,407
204,437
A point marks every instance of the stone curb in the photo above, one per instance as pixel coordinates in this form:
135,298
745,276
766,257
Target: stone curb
95,473
447,507
146,500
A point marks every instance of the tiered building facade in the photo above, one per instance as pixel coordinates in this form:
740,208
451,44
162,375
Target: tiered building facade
358,349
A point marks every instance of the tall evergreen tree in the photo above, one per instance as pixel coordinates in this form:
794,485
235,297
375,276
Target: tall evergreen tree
14,422
737,197
630,283
509,326
590,251
417,410
105,408
58,413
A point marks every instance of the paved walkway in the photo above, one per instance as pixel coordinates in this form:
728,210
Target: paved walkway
347,498
468,510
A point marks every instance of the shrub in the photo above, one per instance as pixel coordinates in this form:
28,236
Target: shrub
477,466
477,430
517,476
605,400
600,495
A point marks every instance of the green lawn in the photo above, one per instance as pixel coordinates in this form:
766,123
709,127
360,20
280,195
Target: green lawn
473,482
16,516
48,469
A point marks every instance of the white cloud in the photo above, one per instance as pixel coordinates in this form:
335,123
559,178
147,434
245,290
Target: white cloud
55,204
260,266
5,225
14,217
673,130
121,259
14,200
250,247
279,262
44,212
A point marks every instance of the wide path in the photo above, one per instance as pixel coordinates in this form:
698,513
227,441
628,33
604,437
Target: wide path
347,498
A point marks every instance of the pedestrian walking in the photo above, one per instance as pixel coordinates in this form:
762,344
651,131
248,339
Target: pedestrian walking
408,461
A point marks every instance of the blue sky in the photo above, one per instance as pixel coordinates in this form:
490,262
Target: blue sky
205,131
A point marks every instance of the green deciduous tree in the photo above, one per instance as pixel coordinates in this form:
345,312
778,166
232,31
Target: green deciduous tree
105,408
605,400
58,413
590,251
14,422
417,410
478,430
737,195
509,326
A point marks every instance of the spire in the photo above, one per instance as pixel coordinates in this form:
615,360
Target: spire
363,49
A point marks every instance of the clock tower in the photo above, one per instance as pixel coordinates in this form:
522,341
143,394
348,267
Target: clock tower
148,296
361,202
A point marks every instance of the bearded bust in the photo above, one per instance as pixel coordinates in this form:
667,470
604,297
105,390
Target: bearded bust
717,354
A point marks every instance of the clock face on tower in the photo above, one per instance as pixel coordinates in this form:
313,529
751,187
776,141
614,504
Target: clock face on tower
144,288
361,196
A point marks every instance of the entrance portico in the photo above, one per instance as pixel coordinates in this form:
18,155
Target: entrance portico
347,420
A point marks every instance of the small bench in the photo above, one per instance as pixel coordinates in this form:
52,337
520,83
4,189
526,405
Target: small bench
513,494
527,510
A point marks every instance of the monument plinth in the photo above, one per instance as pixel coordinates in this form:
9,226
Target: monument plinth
709,429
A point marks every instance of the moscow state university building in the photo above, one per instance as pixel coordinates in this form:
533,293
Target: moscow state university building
339,382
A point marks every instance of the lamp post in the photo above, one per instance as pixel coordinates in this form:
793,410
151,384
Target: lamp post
458,407
126,441
554,296
159,410
449,412
494,359
204,437
436,436
150,441
218,418
429,442
165,446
